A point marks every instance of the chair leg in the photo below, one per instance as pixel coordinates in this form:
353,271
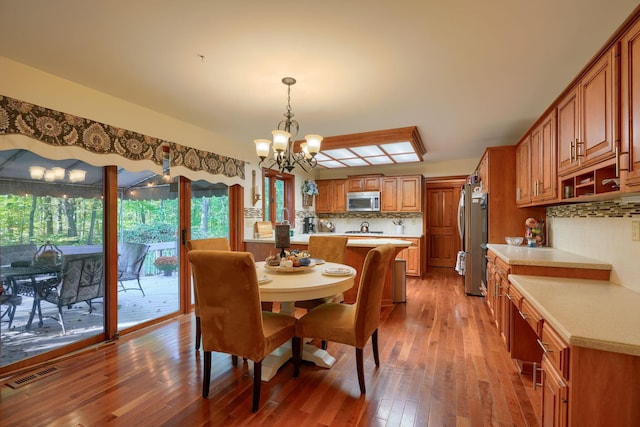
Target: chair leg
198,333
206,379
64,332
323,345
374,344
140,286
234,360
360,368
257,384
296,349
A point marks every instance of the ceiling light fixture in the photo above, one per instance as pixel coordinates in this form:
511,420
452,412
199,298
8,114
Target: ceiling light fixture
283,157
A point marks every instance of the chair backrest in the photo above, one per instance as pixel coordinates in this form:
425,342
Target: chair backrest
82,278
369,299
328,248
13,253
212,244
230,311
131,257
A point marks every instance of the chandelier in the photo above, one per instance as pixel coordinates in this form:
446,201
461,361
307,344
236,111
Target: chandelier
283,157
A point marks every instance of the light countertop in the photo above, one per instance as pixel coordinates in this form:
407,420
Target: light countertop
366,238
587,313
545,257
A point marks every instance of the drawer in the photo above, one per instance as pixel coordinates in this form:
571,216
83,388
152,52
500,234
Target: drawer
555,349
514,296
532,316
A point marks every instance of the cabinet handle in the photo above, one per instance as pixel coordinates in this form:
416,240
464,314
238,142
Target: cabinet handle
578,151
509,297
537,368
545,346
525,316
572,151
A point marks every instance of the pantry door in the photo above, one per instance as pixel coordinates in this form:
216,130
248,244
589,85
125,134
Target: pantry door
443,241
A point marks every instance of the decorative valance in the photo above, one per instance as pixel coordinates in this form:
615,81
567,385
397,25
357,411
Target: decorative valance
65,130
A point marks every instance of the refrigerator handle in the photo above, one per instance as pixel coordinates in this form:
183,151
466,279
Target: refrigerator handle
460,216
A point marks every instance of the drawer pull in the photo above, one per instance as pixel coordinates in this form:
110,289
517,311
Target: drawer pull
537,368
525,316
545,346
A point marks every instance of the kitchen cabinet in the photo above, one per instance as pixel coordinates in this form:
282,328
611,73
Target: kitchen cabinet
523,172
412,256
587,131
630,105
332,196
555,397
363,183
401,193
483,173
505,217
536,164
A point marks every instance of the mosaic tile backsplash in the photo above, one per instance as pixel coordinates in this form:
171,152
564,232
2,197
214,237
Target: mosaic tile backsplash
603,209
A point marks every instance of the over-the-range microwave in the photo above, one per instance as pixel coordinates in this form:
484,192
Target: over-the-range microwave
363,201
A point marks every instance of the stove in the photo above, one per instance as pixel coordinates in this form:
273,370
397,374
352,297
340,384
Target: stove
363,232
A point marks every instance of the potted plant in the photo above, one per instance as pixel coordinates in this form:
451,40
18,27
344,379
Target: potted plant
168,264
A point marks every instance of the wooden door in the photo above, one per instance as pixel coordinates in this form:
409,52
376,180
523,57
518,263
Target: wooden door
442,238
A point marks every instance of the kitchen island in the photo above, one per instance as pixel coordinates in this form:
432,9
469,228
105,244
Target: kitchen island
357,249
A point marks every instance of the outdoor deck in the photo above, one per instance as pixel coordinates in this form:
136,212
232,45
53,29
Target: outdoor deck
19,343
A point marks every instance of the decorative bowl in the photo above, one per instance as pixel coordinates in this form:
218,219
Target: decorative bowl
514,241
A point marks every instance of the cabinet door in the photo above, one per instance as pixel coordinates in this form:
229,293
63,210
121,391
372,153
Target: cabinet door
389,194
323,199
568,119
339,197
597,124
543,184
555,394
630,101
410,193
363,183
483,171
523,173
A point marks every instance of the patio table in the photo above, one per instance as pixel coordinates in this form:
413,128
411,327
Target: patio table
24,280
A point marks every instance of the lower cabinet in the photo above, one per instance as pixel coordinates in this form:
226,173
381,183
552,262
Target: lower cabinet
555,396
412,256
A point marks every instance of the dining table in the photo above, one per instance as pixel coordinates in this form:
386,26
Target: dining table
286,285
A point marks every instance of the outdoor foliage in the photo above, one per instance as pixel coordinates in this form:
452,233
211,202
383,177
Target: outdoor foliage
166,263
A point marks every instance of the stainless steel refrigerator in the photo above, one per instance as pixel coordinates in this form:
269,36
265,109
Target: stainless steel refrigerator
472,226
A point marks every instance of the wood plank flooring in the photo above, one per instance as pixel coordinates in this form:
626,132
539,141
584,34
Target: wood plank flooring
442,363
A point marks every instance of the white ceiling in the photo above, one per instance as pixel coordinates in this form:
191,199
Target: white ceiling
469,74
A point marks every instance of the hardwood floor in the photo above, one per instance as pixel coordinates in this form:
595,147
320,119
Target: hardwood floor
442,363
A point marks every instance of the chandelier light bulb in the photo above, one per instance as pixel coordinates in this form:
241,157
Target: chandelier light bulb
280,140
313,143
263,147
36,172
58,173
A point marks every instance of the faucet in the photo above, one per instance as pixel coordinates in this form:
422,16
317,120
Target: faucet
285,221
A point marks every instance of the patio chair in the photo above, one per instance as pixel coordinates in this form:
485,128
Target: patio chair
130,260
10,299
81,279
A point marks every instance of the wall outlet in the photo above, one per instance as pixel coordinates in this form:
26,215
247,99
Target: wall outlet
635,231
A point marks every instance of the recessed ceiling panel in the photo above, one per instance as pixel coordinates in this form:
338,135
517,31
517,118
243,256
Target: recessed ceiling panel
379,160
331,164
398,148
405,158
355,162
367,150
340,153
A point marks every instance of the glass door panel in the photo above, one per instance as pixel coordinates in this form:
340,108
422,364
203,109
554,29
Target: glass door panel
148,261
51,244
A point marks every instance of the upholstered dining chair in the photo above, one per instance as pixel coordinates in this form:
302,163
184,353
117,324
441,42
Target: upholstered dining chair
351,324
232,319
211,244
331,249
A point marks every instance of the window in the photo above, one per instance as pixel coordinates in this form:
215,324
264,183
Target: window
278,191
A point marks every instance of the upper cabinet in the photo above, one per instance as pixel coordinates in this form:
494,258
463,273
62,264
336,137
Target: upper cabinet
568,132
630,105
332,196
536,180
363,183
401,193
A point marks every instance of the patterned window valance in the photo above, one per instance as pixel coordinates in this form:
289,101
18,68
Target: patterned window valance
65,130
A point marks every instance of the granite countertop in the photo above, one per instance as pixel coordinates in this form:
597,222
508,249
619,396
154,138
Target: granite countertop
545,257
587,313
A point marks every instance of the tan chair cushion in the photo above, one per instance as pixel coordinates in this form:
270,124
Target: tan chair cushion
352,324
212,244
230,312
